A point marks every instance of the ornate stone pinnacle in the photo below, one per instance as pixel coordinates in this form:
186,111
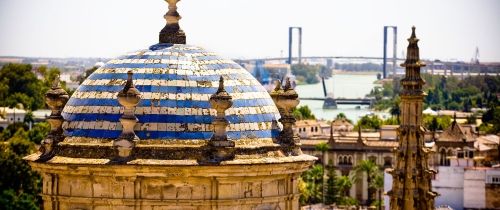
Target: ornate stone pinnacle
412,186
221,101
129,97
56,99
286,100
172,32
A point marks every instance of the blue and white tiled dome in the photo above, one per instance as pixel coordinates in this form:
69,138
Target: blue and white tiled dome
176,82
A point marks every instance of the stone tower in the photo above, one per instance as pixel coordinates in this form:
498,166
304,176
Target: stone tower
172,126
411,188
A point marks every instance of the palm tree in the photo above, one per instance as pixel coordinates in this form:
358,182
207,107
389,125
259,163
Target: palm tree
313,179
344,184
378,184
323,148
371,169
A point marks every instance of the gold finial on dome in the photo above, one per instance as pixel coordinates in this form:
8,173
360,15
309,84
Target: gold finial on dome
172,32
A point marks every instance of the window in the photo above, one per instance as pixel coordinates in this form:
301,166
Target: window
387,161
470,154
460,154
493,179
443,160
312,129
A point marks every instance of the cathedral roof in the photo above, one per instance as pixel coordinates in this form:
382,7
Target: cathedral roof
176,81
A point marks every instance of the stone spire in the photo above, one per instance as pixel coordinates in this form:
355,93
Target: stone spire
55,98
172,32
129,97
286,100
411,188
221,101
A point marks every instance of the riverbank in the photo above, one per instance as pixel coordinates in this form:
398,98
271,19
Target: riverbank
343,72
342,86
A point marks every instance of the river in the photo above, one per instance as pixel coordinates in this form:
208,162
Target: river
343,85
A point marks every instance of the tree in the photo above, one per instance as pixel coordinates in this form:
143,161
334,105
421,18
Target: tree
38,132
323,148
370,122
19,185
313,184
467,105
23,87
344,184
369,168
332,189
341,116
378,184
395,109
303,113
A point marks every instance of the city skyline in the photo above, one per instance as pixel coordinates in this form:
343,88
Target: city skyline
55,28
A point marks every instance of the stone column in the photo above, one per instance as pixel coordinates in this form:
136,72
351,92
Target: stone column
220,143
129,97
286,100
56,99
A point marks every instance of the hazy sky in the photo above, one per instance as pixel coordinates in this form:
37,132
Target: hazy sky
448,29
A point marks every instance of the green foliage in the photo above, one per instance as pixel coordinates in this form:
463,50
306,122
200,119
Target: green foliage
10,200
306,73
38,132
313,187
23,86
322,147
491,120
341,115
11,130
19,185
20,85
391,121
445,92
372,170
344,184
434,123
370,122
332,189
303,113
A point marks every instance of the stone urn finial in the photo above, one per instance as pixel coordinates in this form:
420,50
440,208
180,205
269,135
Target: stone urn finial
172,32
129,97
286,100
221,101
222,148
56,99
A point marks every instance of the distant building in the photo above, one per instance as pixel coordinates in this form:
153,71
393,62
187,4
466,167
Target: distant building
342,125
11,115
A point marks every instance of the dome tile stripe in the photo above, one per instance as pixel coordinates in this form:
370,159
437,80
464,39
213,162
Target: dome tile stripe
169,103
250,118
168,110
170,89
182,135
176,83
169,96
179,83
107,125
